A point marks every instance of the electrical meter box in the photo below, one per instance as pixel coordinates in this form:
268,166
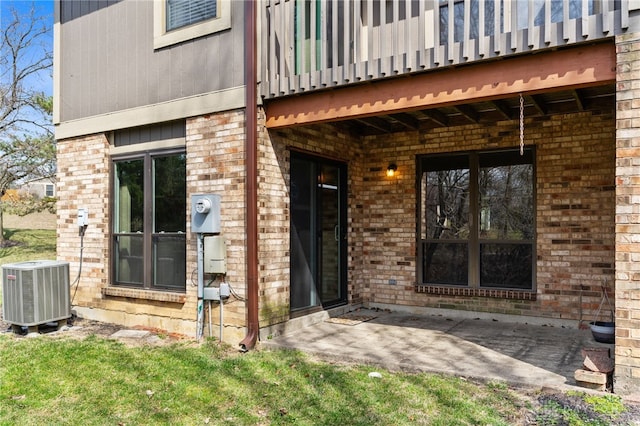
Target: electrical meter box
215,255
205,213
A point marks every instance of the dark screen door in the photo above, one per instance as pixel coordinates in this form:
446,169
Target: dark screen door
318,233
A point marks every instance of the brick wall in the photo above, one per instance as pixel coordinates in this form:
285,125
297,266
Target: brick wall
627,219
215,164
575,161
83,182
575,198
273,189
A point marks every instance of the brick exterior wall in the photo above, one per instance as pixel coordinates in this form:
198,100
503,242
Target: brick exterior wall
273,189
627,219
83,182
575,163
215,164
575,156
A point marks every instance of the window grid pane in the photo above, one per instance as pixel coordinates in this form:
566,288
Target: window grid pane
496,249
150,255
181,13
506,265
169,257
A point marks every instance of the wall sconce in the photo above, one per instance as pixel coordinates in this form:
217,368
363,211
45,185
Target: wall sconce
391,170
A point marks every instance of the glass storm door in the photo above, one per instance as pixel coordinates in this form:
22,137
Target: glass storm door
318,233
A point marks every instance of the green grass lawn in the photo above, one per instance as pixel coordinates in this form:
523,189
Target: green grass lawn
95,381
28,244
102,382
60,380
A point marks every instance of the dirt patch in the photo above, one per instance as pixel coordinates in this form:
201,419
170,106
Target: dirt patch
79,328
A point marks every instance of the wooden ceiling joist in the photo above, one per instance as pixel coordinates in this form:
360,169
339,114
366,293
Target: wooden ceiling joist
502,109
468,112
579,100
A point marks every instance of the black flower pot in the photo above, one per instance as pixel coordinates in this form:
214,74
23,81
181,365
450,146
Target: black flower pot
603,331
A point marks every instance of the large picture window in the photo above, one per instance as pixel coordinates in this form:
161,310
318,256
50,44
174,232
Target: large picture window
149,220
476,219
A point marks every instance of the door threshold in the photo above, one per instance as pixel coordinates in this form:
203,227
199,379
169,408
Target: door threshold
300,322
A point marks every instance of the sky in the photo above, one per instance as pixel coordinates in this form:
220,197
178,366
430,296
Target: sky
44,81
43,8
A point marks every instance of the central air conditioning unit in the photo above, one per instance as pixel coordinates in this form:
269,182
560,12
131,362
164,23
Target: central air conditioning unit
35,292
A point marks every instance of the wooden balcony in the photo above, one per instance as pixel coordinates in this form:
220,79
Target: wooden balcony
317,44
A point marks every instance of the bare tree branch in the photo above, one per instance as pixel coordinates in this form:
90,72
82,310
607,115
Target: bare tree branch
24,56
27,146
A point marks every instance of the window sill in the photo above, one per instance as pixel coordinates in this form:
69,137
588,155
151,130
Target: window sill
137,293
476,292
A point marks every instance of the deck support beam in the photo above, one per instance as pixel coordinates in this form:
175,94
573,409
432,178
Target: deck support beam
571,68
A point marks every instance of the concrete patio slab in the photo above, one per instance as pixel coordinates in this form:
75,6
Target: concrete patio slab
519,353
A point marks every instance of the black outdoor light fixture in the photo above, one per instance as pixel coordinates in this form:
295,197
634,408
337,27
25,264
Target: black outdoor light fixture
391,169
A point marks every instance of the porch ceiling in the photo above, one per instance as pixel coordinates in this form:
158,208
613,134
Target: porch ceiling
600,98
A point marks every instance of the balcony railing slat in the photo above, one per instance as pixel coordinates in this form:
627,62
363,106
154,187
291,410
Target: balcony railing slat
437,56
334,43
313,60
370,38
422,34
467,31
530,26
359,70
547,22
451,26
482,45
497,47
271,60
410,33
311,44
395,36
585,19
383,40
324,44
346,39
566,22
513,30
303,50
607,17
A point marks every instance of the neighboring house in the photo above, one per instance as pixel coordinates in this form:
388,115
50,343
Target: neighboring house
512,130
41,188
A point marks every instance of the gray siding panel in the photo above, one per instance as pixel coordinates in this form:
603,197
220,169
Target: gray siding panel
108,62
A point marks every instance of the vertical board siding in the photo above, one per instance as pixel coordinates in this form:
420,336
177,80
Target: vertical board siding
368,39
108,62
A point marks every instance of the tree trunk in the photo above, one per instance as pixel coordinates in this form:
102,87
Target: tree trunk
1,225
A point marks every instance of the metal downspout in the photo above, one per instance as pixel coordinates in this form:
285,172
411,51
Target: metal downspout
251,149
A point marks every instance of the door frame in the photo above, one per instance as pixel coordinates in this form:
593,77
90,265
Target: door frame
342,168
